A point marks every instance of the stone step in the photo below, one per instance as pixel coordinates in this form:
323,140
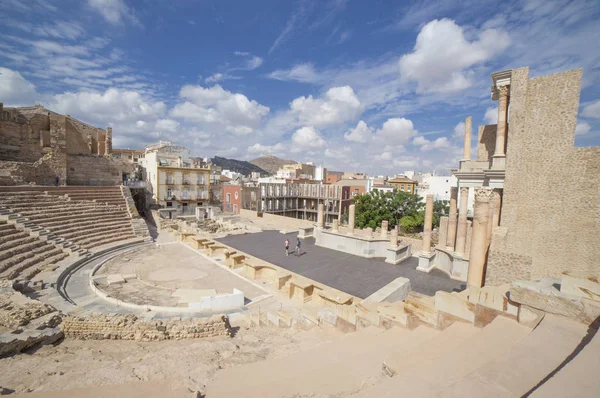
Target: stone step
519,369
47,265
15,240
433,377
337,368
33,260
74,216
4,254
100,240
97,229
91,219
90,224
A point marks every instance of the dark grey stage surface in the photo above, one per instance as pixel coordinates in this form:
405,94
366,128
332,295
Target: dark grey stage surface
351,274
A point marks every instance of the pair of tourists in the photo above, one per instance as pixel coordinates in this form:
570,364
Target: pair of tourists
287,247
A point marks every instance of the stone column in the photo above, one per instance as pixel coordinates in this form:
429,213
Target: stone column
479,246
461,231
468,129
443,234
108,144
394,238
499,155
351,216
428,223
321,215
490,226
497,203
336,224
384,229
452,219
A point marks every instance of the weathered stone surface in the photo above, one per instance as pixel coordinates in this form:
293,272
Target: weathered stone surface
422,307
455,304
582,287
529,316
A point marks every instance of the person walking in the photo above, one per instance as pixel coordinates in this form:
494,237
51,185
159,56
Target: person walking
298,244
287,247
56,181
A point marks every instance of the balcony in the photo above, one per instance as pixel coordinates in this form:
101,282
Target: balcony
200,182
186,182
170,181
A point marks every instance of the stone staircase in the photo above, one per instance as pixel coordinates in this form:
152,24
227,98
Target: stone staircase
76,219
23,256
502,359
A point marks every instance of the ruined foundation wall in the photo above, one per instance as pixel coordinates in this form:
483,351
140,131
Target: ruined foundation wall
551,205
130,327
95,170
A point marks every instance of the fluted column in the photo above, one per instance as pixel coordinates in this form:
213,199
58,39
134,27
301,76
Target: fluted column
479,246
394,238
461,230
384,229
452,220
428,224
351,215
499,155
468,130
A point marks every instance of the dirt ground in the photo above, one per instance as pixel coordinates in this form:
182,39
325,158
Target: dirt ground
82,363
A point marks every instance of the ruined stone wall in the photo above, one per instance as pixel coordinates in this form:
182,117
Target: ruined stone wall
19,142
130,327
486,142
551,201
96,170
77,138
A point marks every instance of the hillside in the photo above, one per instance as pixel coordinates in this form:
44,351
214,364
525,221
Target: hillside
239,166
270,163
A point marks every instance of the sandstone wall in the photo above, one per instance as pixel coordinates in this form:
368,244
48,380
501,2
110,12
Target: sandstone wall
94,170
19,142
551,200
130,327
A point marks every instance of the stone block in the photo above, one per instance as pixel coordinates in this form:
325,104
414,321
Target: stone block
455,304
422,307
114,279
426,262
529,316
396,290
580,287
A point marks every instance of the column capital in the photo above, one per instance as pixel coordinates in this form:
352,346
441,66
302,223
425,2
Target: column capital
453,192
503,91
483,194
464,191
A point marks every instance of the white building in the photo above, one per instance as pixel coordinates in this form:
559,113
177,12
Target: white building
438,186
230,174
320,173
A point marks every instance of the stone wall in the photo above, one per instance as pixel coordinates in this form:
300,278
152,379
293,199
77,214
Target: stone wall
41,172
503,267
130,327
94,170
551,205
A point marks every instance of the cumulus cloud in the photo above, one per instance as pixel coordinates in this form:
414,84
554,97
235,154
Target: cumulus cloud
361,133
442,56
168,125
491,115
396,131
339,104
592,110
114,11
112,105
304,73
15,89
307,138
427,145
582,128
340,153
219,107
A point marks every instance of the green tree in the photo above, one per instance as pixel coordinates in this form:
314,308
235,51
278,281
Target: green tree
374,207
440,208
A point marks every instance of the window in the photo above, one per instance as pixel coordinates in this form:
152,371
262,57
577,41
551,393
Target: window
228,198
169,204
236,195
169,192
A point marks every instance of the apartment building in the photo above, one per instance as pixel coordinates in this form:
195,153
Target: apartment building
174,179
302,200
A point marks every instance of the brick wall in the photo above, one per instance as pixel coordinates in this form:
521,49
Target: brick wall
551,205
130,327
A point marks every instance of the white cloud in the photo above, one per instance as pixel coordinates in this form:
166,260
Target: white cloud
396,131
15,89
361,133
307,138
114,11
340,154
304,73
491,115
339,104
385,156
168,125
442,56
216,106
113,105
427,145
592,110
259,149
459,130
254,63
582,128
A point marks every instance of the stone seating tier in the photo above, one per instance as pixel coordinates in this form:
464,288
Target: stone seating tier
77,227
95,235
21,247
82,216
113,238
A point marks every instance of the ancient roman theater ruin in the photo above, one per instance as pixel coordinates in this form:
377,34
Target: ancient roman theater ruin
503,301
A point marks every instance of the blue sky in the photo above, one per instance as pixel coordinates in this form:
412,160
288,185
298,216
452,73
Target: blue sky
375,86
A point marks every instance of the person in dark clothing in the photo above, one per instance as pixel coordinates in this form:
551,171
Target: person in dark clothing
298,244
56,181
287,247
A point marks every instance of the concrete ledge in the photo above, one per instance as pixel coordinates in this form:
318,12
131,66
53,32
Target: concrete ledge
396,290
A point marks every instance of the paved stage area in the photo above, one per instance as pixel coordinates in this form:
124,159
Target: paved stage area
351,274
